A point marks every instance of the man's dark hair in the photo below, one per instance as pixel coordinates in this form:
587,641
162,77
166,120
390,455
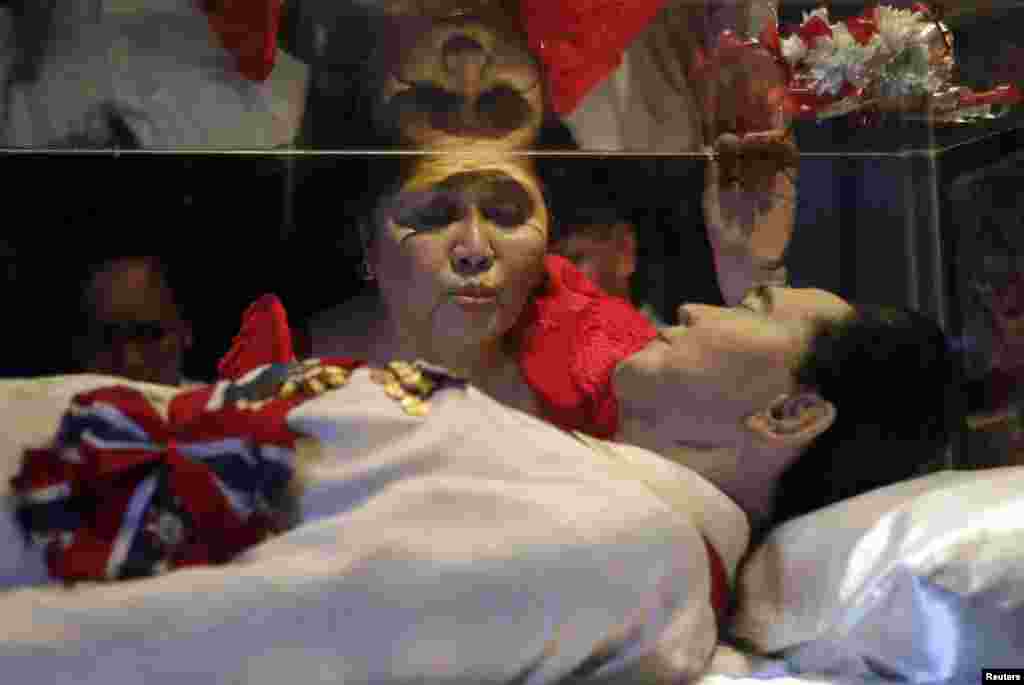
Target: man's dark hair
596,221
897,387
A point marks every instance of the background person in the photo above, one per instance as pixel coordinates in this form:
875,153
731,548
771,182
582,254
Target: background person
132,323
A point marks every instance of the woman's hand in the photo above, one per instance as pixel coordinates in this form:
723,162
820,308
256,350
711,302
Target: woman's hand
750,186
750,194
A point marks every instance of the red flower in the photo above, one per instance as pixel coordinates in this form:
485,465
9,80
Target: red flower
862,28
921,8
813,29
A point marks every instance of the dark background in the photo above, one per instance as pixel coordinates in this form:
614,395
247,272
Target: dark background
876,221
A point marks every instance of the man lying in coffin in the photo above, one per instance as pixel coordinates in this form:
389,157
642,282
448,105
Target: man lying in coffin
390,521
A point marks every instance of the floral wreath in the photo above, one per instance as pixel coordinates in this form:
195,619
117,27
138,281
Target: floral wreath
883,59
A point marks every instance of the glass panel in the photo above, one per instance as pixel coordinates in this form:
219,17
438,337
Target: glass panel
147,127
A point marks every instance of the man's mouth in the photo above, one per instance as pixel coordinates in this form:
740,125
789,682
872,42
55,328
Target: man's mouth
691,445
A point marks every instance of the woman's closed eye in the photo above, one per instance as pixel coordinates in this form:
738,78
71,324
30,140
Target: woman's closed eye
427,97
438,212
506,214
506,204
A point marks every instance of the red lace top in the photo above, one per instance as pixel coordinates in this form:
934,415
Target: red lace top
573,336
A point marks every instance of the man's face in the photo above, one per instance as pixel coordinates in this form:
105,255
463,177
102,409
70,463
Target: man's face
722,365
455,74
135,330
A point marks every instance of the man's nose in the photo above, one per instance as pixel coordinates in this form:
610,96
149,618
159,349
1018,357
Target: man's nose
129,359
465,61
685,314
472,252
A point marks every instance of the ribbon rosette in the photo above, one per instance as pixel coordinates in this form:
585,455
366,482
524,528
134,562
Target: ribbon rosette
124,493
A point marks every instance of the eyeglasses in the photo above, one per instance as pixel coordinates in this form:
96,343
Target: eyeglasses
113,332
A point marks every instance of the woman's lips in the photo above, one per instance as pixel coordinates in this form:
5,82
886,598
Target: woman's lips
475,298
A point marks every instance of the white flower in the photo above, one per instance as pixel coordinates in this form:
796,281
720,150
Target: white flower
842,36
828,78
822,52
849,62
794,49
906,74
820,12
899,27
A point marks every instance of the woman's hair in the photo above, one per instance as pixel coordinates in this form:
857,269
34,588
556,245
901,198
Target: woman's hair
897,388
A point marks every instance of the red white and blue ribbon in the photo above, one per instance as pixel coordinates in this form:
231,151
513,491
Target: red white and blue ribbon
124,493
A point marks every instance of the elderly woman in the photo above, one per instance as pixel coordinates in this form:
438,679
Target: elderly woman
458,249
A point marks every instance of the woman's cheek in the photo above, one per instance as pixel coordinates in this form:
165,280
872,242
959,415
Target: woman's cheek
528,270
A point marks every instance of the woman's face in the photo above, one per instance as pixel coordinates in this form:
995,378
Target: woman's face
457,260
723,364
458,77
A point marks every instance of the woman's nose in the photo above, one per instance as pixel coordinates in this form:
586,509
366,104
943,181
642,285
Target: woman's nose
472,253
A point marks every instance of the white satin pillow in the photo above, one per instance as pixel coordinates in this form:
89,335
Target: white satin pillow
921,581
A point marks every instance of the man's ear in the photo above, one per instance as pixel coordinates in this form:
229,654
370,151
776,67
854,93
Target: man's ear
792,420
186,335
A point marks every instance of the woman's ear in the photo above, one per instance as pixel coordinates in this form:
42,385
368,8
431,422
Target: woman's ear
792,420
363,227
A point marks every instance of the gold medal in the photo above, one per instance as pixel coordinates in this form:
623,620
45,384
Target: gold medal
310,378
407,385
288,389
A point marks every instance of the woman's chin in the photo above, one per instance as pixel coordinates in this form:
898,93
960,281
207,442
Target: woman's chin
468,323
